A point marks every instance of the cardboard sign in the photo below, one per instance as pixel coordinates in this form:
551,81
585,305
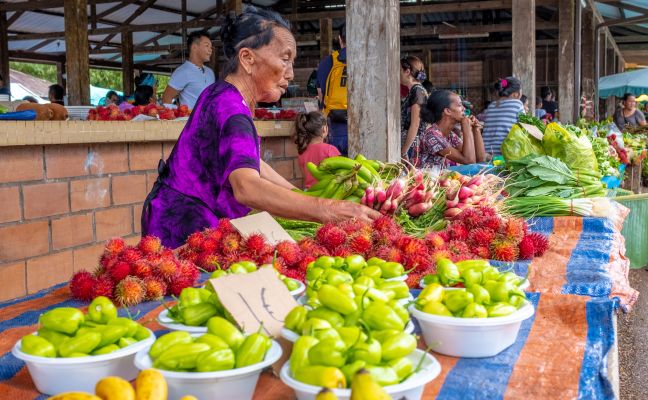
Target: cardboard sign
264,224
255,298
532,130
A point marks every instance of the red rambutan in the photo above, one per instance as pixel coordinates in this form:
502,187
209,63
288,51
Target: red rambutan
435,256
413,279
130,255
208,245
119,271
330,236
303,263
99,271
470,218
142,269
108,261
540,243
153,259
457,231
225,226
418,262
167,269
481,237
388,253
189,270
81,285
341,251
208,262
458,247
195,240
231,243
295,273
503,250
482,252
487,211
435,241
360,244
255,244
130,291
385,224
289,251
492,223
104,286
155,288
412,246
114,246
187,253
150,245
526,248
175,287
514,229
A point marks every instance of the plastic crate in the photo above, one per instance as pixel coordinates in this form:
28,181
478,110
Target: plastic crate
635,229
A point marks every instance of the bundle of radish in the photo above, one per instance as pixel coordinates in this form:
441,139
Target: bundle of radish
344,178
463,191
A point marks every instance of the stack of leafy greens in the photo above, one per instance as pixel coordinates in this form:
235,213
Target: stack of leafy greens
571,145
519,143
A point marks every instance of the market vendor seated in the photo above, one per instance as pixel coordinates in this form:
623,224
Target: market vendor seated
215,170
442,144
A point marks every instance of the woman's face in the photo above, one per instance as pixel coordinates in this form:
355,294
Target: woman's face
272,69
455,110
630,102
404,76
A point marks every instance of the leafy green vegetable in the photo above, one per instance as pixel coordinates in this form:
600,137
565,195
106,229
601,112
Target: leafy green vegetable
571,145
519,143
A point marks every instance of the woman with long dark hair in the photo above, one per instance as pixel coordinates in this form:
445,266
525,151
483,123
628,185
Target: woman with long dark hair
502,113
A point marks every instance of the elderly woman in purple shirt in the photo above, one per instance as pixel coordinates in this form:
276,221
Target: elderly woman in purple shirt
215,170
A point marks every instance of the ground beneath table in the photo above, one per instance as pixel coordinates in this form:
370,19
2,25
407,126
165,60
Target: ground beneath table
633,339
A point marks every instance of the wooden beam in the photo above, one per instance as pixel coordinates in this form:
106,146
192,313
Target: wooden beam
374,103
31,5
631,39
93,14
4,49
17,55
41,44
143,7
566,60
326,37
470,29
235,6
60,73
76,40
14,18
524,48
127,62
626,21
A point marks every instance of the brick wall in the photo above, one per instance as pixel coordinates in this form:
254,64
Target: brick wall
460,76
61,202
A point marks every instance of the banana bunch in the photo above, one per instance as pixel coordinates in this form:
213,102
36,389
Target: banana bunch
343,178
363,387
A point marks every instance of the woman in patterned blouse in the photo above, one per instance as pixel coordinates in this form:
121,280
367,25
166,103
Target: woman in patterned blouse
442,144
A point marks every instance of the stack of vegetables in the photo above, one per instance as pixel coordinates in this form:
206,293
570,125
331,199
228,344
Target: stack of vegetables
195,307
487,293
468,273
245,267
67,332
355,321
223,347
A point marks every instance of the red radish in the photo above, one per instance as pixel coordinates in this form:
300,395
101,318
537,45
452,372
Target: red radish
473,187
417,196
419,209
476,180
386,206
428,196
381,196
477,199
443,182
363,200
394,206
370,196
452,203
452,193
469,201
461,206
464,193
451,212
396,188
463,179
418,177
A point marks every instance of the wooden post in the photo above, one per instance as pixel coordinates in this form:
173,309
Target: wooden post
373,43
235,5
566,68
77,52
610,65
4,49
524,57
214,60
428,63
326,37
60,73
127,62
588,51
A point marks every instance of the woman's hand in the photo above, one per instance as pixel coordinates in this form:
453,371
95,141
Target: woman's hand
339,210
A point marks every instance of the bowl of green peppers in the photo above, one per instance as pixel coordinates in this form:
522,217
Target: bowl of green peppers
477,321
295,287
222,363
464,273
72,351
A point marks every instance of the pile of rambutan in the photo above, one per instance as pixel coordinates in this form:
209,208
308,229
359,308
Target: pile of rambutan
132,274
480,232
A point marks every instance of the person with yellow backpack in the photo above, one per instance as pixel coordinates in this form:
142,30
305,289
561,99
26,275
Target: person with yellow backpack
332,81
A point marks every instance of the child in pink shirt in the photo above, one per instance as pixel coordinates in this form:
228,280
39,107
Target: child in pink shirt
310,135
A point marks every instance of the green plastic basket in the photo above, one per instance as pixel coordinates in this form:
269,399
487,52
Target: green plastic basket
635,229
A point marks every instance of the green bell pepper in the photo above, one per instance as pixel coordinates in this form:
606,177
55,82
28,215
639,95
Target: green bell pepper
448,272
432,292
369,352
56,338
63,319
474,310
384,334
373,271
480,294
510,277
295,319
364,281
83,343
430,279
225,330
141,333
237,268
347,289
400,310
479,265
189,297
248,265
299,355
517,301
500,309
105,350
102,310
215,342
499,291
383,375
391,270
126,341
403,367
325,262
351,335
323,334
181,356
217,274
128,323
167,341
312,274
375,261
471,277
398,346
313,325
216,360
400,289
354,263
457,300
349,370
336,300
198,314
320,375
291,284
379,316
37,346
436,308
339,262
490,274
252,350
329,352
335,277
110,334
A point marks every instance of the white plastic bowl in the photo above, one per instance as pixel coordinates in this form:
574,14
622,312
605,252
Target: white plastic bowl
471,337
292,336
233,384
401,278
524,285
410,389
166,321
57,375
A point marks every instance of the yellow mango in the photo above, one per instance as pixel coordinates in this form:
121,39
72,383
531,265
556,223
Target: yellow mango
114,388
150,385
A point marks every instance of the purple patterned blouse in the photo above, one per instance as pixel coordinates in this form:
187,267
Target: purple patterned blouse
193,190
431,143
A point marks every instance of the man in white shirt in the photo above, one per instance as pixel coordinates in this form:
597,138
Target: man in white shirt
192,77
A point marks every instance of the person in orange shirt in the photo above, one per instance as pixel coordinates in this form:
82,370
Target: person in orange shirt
310,134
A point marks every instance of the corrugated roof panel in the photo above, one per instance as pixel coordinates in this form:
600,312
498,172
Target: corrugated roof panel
57,46
152,16
170,39
22,44
103,7
123,13
194,6
139,37
38,23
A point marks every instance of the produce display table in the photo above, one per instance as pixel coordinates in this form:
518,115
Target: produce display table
563,351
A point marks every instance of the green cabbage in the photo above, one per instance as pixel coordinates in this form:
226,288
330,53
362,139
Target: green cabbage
519,144
570,145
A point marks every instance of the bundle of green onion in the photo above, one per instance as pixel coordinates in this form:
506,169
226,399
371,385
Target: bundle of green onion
547,206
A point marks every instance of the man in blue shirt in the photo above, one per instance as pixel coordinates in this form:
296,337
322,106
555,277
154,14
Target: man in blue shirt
339,136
